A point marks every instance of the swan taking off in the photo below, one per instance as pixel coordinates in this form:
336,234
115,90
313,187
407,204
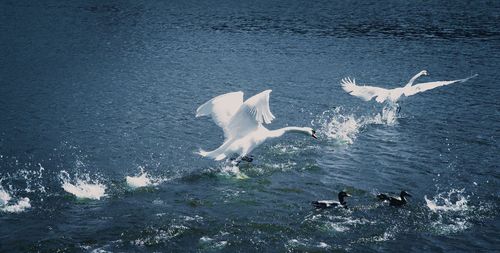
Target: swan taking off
393,95
242,123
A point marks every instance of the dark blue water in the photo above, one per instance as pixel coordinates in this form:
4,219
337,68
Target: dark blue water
93,92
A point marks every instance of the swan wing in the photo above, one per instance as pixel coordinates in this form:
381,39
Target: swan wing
254,112
364,92
222,108
258,107
421,87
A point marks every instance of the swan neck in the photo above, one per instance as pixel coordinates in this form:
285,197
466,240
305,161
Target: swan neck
282,131
412,80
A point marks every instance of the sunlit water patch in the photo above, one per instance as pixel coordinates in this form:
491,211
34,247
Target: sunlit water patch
82,187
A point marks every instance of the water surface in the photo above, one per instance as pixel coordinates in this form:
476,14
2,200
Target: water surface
98,99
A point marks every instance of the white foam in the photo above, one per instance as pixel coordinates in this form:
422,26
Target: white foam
206,239
20,206
323,245
232,170
344,127
388,235
337,227
448,201
451,226
450,211
302,244
335,125
32,178
4,197
83,188
343,224
142,180
389,114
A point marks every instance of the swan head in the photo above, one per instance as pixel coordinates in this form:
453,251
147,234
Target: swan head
424,72
311,132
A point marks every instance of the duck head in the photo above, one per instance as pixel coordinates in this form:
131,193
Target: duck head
343,195
404,194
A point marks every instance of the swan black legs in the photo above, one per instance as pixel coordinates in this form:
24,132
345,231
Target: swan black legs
236,161
247,158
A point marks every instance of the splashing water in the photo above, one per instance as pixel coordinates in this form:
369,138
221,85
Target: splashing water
33,179
450,212
142,180
83,188
4,197
335,125
444,201
389,114
232,170
21,205
210,243
343,127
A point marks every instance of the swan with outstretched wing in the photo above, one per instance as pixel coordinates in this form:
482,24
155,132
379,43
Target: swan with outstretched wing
243,124
381,95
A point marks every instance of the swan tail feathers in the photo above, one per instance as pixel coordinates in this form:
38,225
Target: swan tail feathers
212,154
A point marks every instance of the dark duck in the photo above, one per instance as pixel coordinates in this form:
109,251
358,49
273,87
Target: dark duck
395,201
332,203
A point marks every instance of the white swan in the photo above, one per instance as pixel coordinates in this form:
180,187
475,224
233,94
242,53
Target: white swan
393,95
242,123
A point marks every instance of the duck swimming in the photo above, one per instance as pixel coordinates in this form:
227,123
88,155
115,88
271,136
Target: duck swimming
332,203
394,201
